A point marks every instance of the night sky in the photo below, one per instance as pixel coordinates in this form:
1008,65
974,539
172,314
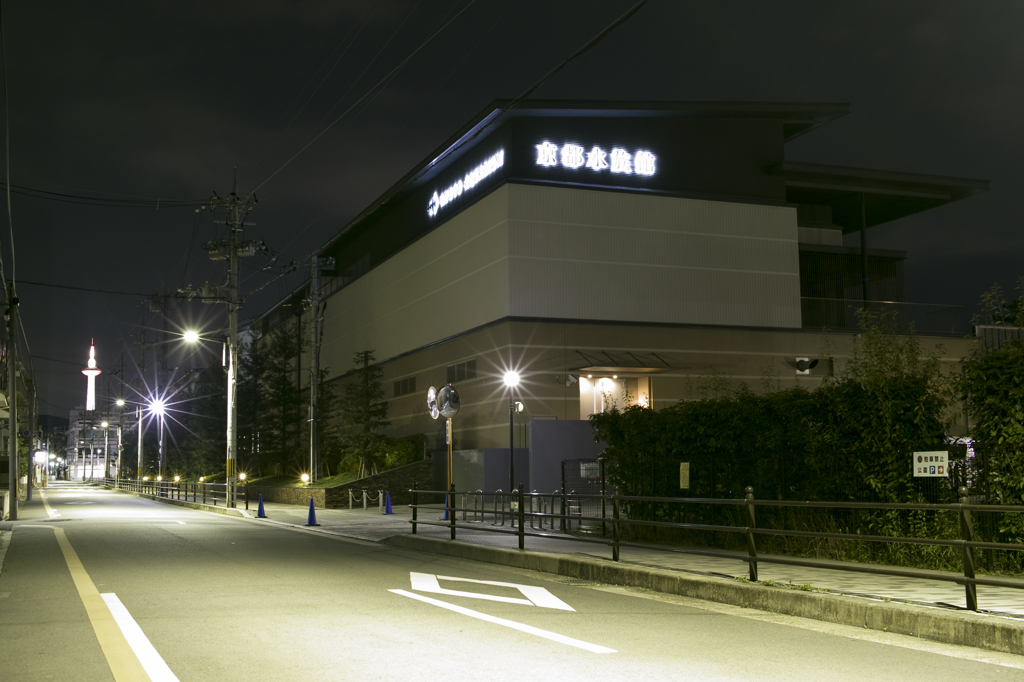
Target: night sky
122,101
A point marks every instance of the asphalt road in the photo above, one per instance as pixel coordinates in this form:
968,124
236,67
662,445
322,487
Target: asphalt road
219,598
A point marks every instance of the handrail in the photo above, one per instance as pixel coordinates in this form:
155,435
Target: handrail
519,514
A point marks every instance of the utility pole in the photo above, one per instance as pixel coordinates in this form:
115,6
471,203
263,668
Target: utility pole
314,380
12,404
231,250
31,439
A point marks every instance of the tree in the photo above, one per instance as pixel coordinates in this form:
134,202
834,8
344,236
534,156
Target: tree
272,432
363,416
996,311
204,446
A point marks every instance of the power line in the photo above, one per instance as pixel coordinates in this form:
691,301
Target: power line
589,45
89,289
365,95
141,202
370,63
323,80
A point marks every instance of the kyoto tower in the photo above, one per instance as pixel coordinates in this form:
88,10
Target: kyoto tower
91,371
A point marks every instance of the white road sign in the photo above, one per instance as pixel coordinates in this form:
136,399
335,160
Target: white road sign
931,464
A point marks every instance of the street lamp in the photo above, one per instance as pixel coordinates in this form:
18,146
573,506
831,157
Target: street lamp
305,478
157,407
231,362
511,380
120,402
106,448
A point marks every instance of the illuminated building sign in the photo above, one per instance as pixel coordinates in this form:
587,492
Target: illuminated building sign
615,160
473,177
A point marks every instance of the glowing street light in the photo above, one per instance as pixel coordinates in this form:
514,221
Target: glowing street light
190,336
511,380
305,478
120,402
241,476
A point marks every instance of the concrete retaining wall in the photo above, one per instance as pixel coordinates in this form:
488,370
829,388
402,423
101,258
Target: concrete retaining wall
397,481
941,625
287,495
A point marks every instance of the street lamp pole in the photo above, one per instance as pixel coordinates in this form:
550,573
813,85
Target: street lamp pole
511,380
138,470
106,449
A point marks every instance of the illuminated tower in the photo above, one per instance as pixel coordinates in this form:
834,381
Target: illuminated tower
91,372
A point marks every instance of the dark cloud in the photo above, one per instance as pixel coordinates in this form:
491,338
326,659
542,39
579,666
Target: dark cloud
164,99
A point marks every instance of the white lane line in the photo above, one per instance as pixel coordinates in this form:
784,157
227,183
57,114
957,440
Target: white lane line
529,629
151,661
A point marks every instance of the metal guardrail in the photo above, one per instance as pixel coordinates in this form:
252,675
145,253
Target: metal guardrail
214,494
517,514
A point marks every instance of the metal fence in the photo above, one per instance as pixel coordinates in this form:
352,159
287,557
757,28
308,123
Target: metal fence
581,479
184,491
838,313
546,519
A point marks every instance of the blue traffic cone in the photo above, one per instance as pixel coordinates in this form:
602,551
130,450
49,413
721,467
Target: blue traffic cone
312,515
387,503
261,514
445,508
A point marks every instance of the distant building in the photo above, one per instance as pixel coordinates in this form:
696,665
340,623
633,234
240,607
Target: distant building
614,252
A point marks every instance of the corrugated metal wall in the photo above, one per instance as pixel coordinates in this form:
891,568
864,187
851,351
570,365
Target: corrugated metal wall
582,254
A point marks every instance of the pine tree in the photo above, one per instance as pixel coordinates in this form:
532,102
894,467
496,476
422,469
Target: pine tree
363,412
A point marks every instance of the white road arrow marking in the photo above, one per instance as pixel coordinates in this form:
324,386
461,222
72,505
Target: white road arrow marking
529,629
535,596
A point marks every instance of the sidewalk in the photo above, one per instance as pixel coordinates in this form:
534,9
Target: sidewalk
371,525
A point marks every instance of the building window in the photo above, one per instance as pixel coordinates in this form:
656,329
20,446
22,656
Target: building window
461,371
405,386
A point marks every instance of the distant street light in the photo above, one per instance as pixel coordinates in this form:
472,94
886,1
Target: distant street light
190,336
120,402
305,478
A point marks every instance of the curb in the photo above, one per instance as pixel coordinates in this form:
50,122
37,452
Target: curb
963,628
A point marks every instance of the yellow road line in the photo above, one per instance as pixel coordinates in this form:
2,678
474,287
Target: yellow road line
124,665
46,506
